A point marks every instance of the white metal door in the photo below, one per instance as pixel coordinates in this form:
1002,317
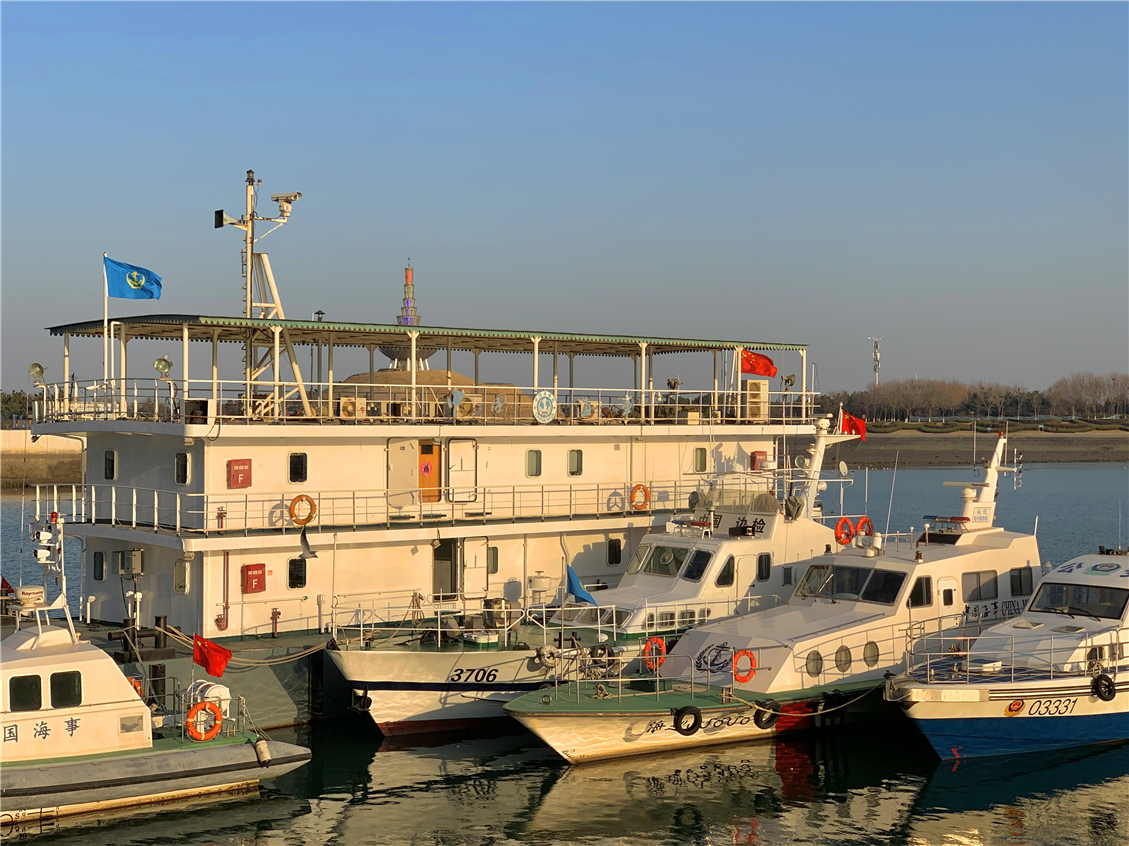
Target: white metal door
462,470
475,576
403,467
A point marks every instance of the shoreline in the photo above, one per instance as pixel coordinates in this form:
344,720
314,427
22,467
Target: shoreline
923,449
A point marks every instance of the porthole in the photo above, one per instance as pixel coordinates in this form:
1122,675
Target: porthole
814,663
843,658
870,653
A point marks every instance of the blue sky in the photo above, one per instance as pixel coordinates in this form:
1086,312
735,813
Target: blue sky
950,176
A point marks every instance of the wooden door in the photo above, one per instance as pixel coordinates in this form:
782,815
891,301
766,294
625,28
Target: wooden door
430,471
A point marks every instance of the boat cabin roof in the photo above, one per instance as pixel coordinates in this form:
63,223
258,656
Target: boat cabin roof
1106,571
29,650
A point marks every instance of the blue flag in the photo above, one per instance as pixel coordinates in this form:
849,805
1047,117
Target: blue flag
575,588
131,282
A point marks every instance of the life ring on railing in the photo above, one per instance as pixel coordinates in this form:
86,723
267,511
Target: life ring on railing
738,676
844,531
302,521
865,527
637,505
194,714
135,683
654,653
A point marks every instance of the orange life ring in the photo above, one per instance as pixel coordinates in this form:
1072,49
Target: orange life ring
135,683
865,527
844,530
194,712
744,677
654,659
294,509
639,506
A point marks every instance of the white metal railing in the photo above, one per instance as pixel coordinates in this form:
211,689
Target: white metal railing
230,511
202,401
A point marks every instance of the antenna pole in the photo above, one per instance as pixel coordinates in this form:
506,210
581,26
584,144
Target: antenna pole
250,247
893,479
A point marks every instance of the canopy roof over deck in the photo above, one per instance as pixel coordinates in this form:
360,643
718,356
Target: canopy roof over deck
239,329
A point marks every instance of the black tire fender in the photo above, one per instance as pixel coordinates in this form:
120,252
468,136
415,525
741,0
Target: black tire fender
1103,687
767,713
695,720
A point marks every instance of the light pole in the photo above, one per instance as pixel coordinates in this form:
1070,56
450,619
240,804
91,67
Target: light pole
877,358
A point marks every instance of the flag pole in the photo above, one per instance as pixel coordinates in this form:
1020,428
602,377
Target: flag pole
105,323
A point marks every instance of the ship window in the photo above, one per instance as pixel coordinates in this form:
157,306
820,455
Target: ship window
786,572
883,586
575,462
700,460
1105,602
615,552
638,558
725,577
1021,581
686,618
491,560
666,620
66,689
697,566
978,586
764,566
296,573
650,621
111,465
181,468
131,724
25,693
922,594
947,596
533,462
665,561
703,614
298,468
99,566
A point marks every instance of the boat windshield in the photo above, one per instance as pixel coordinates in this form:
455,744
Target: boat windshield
699,561
856,583
589,615
661,560
1088,600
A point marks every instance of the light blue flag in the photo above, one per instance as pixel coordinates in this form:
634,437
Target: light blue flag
131,282
575,588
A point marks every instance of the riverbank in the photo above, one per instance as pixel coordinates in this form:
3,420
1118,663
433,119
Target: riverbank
922,449
50,458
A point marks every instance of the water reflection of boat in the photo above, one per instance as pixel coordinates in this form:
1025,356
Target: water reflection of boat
1079,795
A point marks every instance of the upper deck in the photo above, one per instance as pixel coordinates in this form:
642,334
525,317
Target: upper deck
273,388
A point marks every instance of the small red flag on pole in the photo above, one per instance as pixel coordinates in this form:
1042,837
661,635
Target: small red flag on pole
211,656
851,425
761,365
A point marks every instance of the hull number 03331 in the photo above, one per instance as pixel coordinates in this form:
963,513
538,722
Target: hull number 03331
472,675
1051,707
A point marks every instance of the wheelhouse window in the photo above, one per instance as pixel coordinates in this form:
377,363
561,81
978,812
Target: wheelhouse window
922,594
857,583
1021,581
725,577
615,552
99,566
110,468
533,462
298,468
1087,600
662,561
575,462
25,693
979,586
66,689
699,459
883,587
699,562
764,566
296,573
181,467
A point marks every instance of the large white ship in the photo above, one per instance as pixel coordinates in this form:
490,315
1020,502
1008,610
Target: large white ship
264,495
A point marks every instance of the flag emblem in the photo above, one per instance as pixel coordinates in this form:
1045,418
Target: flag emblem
128,281
135,280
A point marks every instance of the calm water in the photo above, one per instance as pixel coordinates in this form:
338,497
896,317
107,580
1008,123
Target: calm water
865,784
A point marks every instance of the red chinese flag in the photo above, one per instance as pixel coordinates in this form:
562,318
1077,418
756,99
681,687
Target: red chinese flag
852,425
6,586
761,365
211,656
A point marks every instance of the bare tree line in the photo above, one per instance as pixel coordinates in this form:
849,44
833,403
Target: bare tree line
1086,395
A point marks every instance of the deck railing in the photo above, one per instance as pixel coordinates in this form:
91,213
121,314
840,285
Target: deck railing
202,401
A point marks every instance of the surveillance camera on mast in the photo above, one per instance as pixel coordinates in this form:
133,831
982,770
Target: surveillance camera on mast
284,202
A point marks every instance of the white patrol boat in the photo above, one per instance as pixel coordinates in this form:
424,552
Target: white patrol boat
846,626
78,736
743,549
1057,677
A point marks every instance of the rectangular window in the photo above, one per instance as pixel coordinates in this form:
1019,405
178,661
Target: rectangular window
725,577
297,468
66,689
25,693
1021,581
979,586
111,465
296,573
947,596
883,587
666,619
922,594
491,560
99,566
699,459
764,566
615,552
575,462
533,462
699,561
181,468
786,572
686,618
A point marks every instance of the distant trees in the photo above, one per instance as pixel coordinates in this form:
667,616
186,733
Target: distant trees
12,404
1077,395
